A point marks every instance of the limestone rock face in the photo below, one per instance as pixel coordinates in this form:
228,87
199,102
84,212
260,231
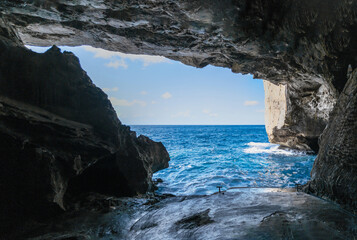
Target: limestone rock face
275,107
295,118
334,173
60,136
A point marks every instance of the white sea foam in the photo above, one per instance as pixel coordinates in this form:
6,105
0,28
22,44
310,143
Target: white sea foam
258,144
255,148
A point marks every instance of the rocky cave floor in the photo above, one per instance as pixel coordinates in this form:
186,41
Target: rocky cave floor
250,213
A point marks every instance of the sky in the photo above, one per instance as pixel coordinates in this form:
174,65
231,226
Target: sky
153,90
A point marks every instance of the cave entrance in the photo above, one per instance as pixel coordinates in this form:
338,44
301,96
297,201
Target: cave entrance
153,90
210,120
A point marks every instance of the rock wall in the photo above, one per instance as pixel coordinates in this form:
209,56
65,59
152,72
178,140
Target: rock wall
334,174
60,136
295,116
275,107
307,45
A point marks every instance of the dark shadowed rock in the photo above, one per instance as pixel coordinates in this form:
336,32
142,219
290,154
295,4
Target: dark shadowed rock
60,137
263,214
307,45
334,173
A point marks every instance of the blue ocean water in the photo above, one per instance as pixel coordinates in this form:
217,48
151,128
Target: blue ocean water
203,157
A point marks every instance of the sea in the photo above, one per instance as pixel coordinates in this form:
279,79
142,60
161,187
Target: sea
204,158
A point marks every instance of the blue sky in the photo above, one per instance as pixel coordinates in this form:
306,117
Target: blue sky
155,90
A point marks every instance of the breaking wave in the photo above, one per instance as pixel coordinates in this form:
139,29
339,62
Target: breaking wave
269,148
204,157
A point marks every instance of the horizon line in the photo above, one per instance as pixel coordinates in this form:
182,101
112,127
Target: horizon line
195,124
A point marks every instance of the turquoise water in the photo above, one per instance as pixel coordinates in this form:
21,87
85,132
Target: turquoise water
203,157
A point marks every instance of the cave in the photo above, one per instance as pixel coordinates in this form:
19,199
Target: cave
49,130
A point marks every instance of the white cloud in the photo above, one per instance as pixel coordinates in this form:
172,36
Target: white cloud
143,92
141,103
184,114
120,102
114,89
251,103
209,113
146,59
126,103
117,63
153,102
166,95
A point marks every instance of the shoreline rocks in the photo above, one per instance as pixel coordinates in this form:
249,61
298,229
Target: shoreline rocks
60,137
301,45
244,214
296,118
304,44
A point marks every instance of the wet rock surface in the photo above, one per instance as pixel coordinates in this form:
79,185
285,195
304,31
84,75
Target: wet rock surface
196,220
243,214
60,137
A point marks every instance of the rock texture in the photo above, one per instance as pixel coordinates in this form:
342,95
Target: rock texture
263,214
307,45
275,107
334,174
275,40
60,136
295,116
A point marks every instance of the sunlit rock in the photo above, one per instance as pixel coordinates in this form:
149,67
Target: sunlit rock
295,116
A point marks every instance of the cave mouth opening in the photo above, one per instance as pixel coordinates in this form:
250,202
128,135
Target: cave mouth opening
210,120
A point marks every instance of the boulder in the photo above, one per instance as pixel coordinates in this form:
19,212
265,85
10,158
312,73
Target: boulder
60,137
